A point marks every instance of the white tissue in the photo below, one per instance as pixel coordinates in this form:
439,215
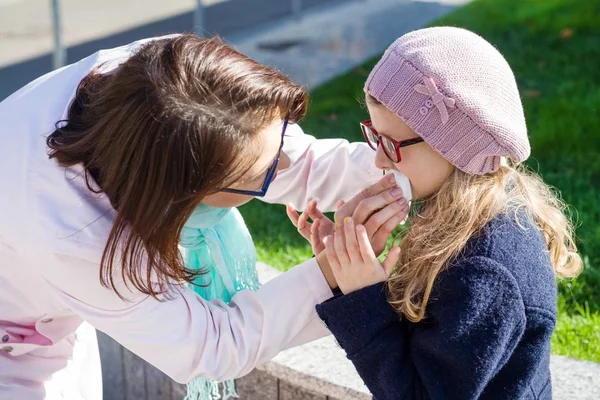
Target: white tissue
404,184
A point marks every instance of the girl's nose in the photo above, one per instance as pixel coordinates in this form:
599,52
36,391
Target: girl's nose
382,161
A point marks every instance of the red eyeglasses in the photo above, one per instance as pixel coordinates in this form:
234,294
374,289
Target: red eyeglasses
391,147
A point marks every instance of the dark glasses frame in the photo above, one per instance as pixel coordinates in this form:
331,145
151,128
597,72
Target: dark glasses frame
366,126
270,172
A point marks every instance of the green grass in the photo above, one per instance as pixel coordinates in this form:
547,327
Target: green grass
553,47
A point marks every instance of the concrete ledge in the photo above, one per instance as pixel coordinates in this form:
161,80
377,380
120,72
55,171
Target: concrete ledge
321,367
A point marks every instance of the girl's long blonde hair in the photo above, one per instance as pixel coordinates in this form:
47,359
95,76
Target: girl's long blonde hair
458,211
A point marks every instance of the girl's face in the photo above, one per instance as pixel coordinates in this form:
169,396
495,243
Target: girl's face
269,141
426,169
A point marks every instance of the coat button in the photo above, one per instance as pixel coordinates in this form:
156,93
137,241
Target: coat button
7,349
423,110
429,104
47,320
5,338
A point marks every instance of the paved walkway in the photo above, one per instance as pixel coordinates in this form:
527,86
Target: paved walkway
326,43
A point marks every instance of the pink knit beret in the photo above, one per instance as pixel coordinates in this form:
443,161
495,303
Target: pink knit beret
457,92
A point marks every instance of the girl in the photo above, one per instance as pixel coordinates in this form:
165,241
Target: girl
466,306
156,142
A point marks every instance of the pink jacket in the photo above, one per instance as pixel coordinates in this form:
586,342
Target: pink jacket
52,234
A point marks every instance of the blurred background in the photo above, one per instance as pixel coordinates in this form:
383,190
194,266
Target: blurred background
553,47
39,35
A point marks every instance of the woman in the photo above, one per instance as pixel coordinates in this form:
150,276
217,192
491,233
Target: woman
93,208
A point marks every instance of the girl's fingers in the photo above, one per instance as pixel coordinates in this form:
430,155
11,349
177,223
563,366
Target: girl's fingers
351,243
340,245
334,263
339,204
391,260
366,250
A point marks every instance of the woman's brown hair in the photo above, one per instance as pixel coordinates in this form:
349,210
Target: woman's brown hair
175,122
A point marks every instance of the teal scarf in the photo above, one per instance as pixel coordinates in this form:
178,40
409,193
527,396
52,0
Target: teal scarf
216,239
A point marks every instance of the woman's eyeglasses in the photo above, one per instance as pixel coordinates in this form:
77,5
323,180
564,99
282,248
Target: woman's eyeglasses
270,173
391,147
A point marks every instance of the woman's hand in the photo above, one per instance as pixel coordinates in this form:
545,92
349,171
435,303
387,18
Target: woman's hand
352,260
314,232
380,208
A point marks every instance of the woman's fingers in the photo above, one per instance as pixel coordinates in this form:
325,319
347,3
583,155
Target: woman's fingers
391,260
348,209
292,214
369,206
325,226
299,221
381,217
379,240
313,211
303,221
382,232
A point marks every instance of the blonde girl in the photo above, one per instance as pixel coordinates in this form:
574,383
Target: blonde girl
465,307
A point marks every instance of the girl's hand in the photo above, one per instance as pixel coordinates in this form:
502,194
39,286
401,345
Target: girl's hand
352,259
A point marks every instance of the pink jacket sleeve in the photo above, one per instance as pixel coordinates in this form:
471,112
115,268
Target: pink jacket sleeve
326,170
186,336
